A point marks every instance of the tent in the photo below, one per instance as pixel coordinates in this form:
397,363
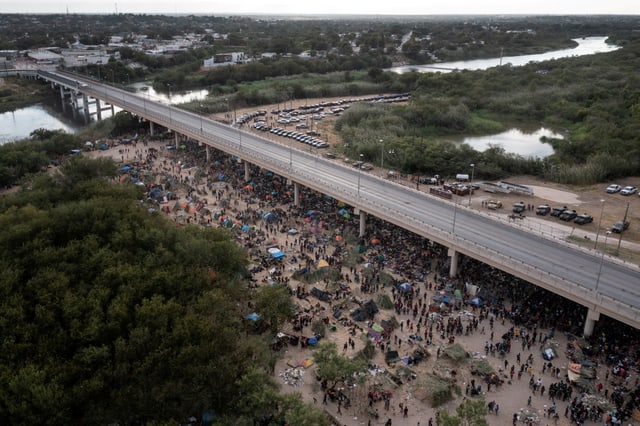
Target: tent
323,264
476,301
322,295
276,253
405,287
252,316
366,312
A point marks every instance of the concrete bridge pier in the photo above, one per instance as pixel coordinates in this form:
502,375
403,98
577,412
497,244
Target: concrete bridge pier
590,322
151,128
247,175
74,104
85,109
296,194
98,110
207,153
453,268
62,98
363,223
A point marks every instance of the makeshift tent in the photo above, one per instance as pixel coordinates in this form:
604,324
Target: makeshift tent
252,316
405,286
323,264
366,312
391,356
476,301
276,253
322,295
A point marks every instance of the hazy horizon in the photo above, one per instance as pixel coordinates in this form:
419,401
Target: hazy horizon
326,7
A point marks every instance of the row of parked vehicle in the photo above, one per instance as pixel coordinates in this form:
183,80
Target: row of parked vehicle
300,137
568,215
565,214
627,190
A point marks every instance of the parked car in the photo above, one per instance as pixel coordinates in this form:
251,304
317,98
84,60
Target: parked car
620,226
613,188
519,207
583,219
568,215
494,204
557,211
543,210
628,190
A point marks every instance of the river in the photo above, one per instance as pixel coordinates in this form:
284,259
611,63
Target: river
586,46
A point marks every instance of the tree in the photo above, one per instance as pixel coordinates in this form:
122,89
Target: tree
334,367
110,314
469,413
274,303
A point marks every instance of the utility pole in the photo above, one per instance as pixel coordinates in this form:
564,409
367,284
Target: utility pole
626,212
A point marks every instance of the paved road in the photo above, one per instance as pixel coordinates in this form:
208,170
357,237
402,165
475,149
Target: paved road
555,265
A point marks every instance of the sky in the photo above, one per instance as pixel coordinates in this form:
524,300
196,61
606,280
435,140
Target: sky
360,7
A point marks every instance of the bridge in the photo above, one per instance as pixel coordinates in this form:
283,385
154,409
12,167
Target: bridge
601,283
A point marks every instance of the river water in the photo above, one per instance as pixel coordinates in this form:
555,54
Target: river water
20,123
586,46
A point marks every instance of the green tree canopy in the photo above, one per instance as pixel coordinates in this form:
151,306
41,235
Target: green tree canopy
110,314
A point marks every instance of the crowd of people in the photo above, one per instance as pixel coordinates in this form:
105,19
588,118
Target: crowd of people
263,212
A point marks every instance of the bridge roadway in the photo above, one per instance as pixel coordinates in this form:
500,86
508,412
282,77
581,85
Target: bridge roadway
557,266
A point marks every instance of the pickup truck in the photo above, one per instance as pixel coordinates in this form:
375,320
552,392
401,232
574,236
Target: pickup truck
543,210
519,207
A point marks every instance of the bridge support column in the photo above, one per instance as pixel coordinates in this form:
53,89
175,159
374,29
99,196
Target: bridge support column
247,175
590,322
74,104
175,142
453,269
296,194
64,104
98,110
208,154
151,128
363,223
85,108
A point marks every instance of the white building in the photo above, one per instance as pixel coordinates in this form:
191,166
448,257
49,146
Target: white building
222,59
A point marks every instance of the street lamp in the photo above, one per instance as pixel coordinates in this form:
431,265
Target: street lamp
473,169
455,211
599,223
168,84
201,111
602,261
359,168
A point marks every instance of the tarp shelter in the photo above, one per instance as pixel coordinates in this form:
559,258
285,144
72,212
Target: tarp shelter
322,295
323,264
365,312
125,168
292,231
312,340
476,301
252,316
405,287
276,253
391,356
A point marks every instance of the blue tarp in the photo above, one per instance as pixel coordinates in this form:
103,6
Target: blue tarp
252,316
